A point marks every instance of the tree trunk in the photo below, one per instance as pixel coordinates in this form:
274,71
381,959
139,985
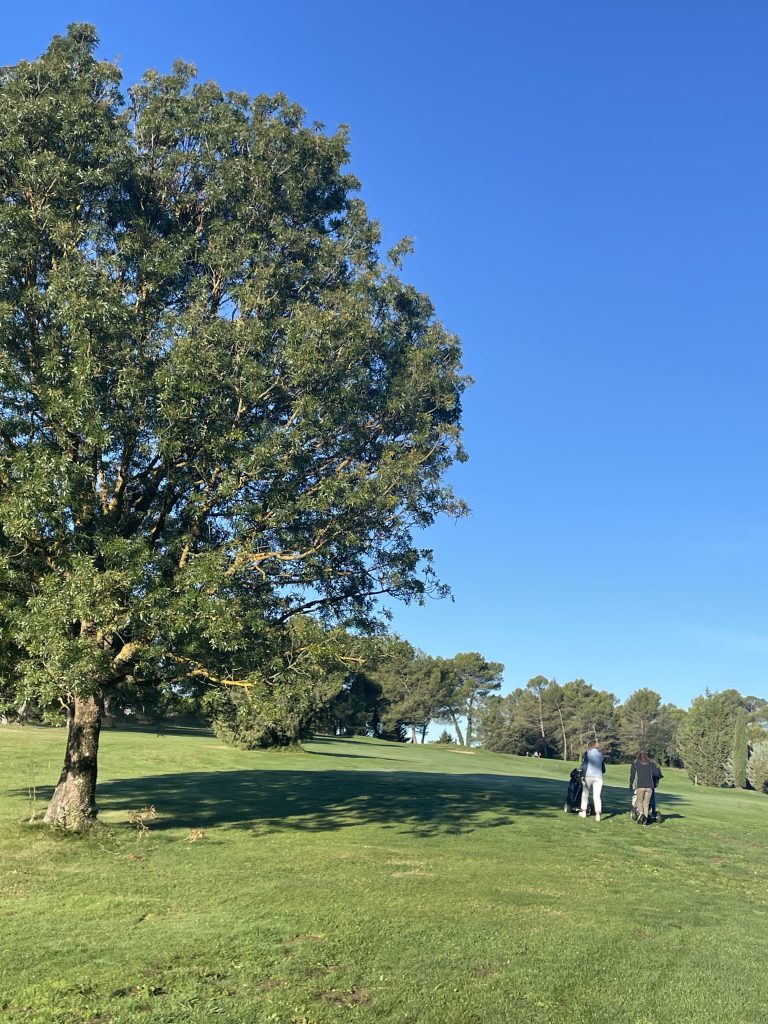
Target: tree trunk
73,804
457,727
541,720
565,738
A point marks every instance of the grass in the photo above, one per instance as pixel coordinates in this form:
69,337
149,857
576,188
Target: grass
365,881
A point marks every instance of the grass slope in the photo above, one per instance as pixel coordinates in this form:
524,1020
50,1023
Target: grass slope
366,881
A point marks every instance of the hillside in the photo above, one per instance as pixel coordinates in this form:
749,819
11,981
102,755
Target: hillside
365,881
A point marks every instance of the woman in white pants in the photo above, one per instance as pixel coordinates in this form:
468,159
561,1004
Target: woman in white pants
593,769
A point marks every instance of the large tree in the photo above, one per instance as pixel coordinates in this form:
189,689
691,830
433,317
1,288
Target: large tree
647,724
539,711
587,714
705,739
499,726
637,719
220,407
412,686
468,680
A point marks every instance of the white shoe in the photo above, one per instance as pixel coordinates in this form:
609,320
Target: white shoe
597,817
582,814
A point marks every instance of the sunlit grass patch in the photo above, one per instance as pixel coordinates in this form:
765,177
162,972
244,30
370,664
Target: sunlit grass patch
365,881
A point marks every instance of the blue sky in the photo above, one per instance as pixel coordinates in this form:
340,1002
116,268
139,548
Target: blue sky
587,186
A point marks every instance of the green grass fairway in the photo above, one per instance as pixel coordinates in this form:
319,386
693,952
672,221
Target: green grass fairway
367,881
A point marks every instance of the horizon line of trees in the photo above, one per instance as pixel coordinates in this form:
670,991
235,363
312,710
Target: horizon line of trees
722,740
385,687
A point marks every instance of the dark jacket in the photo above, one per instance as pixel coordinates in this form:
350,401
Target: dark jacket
644,773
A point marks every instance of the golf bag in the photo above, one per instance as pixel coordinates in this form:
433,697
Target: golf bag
573,796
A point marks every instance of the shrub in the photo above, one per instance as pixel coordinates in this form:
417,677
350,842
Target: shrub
757,767
242,720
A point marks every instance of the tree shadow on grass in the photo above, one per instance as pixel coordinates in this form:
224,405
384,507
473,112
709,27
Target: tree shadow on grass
160,728
419,803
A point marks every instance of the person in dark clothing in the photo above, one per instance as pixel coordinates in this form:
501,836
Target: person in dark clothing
641,780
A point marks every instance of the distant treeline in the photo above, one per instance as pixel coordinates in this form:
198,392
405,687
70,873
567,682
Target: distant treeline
396,692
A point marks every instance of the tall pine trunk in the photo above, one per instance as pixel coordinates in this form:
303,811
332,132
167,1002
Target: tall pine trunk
73,804
457,727
565,737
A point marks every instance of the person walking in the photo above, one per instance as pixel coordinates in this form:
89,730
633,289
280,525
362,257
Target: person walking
641,779
593,769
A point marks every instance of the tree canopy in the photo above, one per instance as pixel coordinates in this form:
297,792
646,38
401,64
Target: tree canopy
220,407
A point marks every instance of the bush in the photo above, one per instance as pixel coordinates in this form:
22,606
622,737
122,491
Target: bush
242,720
757,768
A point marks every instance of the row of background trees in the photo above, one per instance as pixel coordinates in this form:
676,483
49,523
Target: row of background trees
722,740
387,688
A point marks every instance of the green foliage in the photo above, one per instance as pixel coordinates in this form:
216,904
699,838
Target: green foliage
647,724
740,749
499,728
559,721
466,681
399,690
355,710
705,738
244,721
757,767
637,718
219,407
589,714
412,685
444,737
279,707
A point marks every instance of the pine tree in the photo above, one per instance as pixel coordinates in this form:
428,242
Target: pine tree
705,738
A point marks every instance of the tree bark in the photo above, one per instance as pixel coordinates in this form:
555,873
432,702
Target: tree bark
565,738
73,804
541,718
457,727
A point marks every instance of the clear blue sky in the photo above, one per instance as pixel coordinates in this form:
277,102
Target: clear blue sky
587,185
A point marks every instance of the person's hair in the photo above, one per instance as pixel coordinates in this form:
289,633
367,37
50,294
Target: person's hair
642,757
593,743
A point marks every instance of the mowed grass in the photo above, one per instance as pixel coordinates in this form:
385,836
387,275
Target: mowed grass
365,881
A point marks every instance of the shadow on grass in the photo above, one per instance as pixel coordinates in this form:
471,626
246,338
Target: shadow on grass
159,728
420,803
